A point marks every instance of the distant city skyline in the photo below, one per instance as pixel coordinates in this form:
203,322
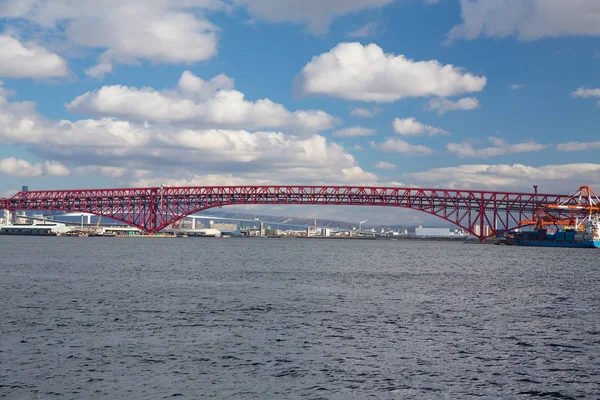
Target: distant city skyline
466,94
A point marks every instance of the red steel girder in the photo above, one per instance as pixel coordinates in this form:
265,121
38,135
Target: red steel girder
153,209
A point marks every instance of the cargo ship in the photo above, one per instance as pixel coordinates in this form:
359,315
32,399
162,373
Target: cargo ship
583,236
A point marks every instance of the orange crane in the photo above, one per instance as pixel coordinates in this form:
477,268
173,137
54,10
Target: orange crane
582,206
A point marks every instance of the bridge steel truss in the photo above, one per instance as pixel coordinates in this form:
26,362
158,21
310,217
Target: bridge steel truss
153,209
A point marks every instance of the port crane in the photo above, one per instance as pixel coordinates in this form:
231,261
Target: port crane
98,230
581,208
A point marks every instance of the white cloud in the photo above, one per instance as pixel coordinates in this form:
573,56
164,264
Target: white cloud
499,148
586,93
444,105
186,179
105,66
21,168
194,87
550,178
364,112
132,151
107,172
401,146
12,166
316,14
516,86
578,146
211,103
350,175
55,168
358,147
318,171
23,125
28,60
385,165
527,19
352,71
366,30
356,174
354,131
583,92
160,31
410,126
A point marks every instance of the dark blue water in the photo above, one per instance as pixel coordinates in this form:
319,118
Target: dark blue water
294,318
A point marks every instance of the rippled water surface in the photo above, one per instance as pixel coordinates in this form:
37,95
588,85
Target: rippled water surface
296,318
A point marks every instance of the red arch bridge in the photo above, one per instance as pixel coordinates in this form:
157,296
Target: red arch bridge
155,208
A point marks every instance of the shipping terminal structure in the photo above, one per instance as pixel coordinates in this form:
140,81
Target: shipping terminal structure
572,230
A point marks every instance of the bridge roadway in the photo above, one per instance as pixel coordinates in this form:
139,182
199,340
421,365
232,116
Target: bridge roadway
153,209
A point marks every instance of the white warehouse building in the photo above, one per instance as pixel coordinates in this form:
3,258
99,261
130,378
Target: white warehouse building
429,232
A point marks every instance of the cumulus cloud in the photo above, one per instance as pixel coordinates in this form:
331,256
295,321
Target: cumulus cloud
444,105
527,19
21,168
354,131
351,175
130,151
364,112
352,71
316,14
560,178
587,93
385,165
29,60
410,126
21,124
55,168
211,103
160,31
578,146
499,148
24,169
401,146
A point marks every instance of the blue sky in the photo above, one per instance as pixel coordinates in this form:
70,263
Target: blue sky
497,95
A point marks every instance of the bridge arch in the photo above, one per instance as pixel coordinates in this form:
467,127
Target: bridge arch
469,229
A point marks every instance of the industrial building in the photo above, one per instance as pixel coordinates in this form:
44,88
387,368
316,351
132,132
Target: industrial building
487,231
45,229
209,232
429,232
223,227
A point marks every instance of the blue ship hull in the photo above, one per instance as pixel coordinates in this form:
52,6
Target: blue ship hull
583,244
